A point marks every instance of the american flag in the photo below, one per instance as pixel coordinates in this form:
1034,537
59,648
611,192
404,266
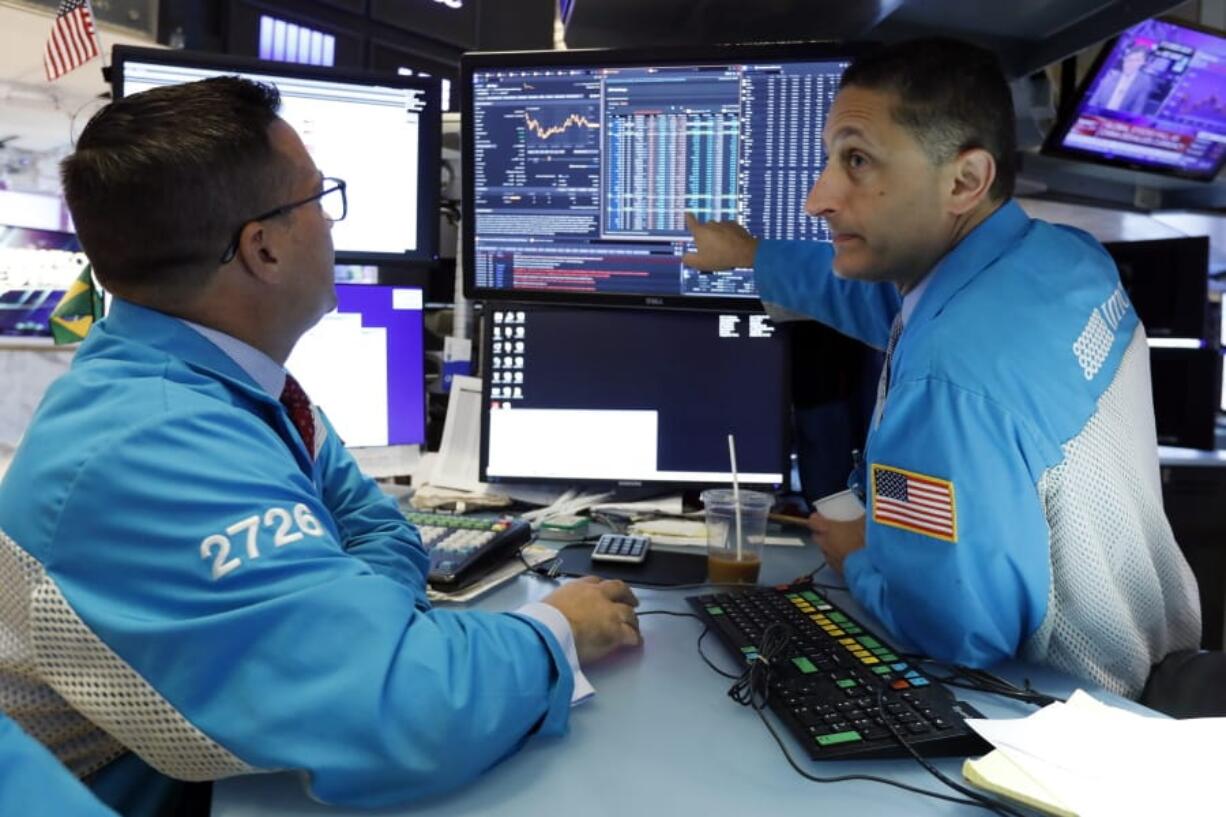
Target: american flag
914,502
73,40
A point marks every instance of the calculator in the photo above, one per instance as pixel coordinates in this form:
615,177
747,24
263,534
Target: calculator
617,547
463,549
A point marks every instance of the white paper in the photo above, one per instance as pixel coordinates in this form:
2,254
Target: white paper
1105,760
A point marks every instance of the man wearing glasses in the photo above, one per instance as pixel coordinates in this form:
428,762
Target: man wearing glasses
198,582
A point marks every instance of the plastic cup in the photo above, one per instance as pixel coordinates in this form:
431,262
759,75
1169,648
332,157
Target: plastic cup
726,563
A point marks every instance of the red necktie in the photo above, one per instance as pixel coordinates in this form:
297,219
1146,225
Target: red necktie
299,407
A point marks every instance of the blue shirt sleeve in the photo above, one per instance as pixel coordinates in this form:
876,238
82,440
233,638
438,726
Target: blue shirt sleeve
34,784
798,275
972,598
222,580
368,521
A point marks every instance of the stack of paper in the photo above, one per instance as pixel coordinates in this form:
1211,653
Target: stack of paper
1087,758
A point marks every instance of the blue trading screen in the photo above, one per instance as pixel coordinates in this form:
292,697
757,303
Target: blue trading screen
581,176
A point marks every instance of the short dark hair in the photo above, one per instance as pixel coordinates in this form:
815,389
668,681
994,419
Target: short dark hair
951,96
160,180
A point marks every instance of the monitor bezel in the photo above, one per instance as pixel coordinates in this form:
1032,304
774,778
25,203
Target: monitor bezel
1067,117
429,137
790,52
782,332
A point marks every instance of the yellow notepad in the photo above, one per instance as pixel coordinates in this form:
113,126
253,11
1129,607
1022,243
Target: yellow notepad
996,773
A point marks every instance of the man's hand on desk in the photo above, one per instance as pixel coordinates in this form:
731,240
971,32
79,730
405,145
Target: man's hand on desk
719,245
601,615
836,539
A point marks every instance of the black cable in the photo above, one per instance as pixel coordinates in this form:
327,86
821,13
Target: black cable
980,680
983,801
702,635
811,578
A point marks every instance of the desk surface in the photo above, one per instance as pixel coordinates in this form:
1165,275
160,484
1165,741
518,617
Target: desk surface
662,737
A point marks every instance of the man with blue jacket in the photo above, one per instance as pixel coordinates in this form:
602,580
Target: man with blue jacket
197,580
1010,473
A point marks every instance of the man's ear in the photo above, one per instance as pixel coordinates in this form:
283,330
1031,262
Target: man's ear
255,248
973,172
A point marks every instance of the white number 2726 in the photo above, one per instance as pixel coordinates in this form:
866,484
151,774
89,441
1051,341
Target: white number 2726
289,528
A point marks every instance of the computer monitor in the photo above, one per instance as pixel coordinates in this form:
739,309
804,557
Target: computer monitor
1187,385
1152,101
632,397
37,267
1167,281
378,132
364,364
580,165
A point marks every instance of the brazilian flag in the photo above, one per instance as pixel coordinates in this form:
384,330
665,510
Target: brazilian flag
77,310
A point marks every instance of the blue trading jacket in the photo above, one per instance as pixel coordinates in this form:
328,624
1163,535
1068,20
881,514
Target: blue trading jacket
34,784
184,582
1012,483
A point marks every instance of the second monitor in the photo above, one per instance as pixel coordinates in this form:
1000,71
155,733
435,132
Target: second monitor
631,397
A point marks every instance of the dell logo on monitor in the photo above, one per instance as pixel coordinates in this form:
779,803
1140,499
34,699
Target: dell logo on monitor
451,4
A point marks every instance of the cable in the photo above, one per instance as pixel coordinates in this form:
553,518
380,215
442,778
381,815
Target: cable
979,799
980,680
811,578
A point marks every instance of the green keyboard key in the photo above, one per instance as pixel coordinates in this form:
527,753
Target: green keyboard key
850,736
715,611
837,617
845,683
889,656
804,665
869,641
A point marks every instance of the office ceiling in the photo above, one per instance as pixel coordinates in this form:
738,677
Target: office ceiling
1027,33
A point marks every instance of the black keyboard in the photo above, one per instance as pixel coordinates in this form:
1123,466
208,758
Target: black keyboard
825,683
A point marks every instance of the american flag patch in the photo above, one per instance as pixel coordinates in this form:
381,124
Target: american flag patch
914,502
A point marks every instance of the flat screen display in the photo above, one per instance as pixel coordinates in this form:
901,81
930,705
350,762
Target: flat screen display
37,267
1155,100
632,397
581,165
380,133
364,364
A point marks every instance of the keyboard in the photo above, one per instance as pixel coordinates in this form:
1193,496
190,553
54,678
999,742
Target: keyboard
824,684
463,549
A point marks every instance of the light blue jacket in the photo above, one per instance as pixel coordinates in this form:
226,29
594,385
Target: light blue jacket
35,784
1019,419
205,594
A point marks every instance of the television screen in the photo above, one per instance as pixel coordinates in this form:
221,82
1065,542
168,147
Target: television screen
581,165
37,267
1154,100
378,132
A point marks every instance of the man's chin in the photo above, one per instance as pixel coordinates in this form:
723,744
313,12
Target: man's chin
845,268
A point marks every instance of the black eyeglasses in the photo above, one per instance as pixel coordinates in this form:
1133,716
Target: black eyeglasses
335,208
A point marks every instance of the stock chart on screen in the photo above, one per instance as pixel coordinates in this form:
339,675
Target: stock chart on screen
583,167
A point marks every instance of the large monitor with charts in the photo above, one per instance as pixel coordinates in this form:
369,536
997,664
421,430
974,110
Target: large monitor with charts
1152,101
378,132
580,166
632,397
364,364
